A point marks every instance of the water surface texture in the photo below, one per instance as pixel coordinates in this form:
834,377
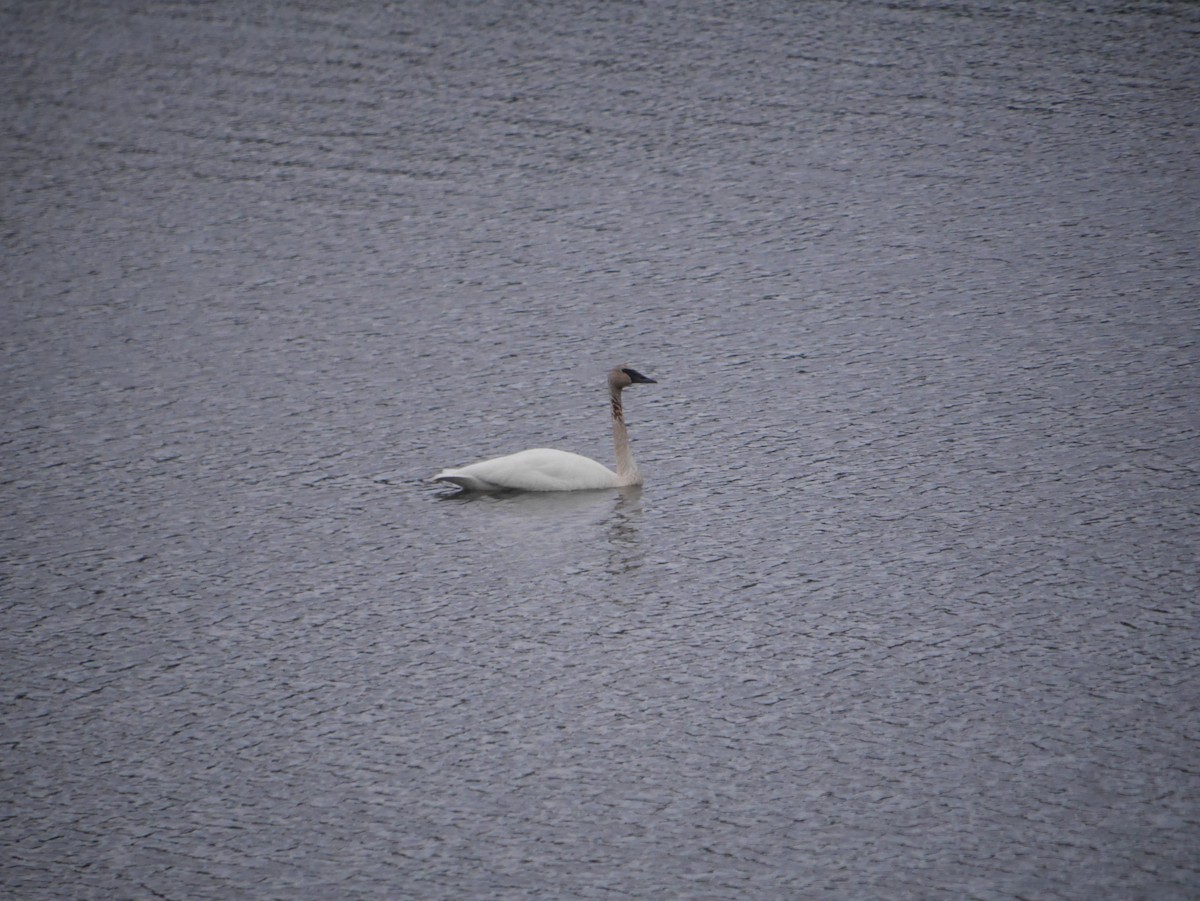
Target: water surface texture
907,607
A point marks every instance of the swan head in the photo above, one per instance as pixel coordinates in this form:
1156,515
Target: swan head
624,376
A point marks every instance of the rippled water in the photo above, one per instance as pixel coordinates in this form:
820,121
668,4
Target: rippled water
907,606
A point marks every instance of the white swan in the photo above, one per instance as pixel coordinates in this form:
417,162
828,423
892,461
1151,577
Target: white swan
546,469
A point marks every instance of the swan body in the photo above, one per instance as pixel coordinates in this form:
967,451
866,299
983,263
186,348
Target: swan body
547,469
539,469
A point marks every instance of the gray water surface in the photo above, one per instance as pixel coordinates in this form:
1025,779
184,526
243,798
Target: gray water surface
907,607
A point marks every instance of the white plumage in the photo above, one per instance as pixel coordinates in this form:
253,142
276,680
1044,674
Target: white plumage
547,469
539,469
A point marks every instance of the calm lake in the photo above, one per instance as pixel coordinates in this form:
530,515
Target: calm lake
907,607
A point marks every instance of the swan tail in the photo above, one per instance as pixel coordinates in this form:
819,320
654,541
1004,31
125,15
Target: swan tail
462,480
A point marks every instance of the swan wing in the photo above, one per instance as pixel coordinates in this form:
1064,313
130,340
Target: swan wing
539,469
462,480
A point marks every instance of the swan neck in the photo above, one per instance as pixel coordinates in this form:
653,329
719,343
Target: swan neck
627,471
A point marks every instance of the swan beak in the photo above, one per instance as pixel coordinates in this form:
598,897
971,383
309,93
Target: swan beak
637,378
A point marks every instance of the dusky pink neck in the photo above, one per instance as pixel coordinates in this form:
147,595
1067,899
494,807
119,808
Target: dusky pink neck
627,471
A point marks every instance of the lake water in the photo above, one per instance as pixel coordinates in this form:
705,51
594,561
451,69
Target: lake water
907,607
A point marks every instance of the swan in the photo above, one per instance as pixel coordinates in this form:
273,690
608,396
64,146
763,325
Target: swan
547,469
